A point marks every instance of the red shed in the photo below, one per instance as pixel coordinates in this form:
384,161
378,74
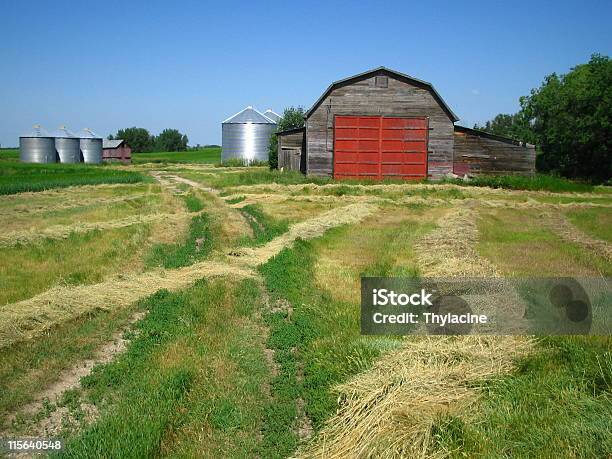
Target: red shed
116,150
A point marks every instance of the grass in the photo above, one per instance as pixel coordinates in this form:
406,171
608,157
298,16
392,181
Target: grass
208,155
192,202
21,177
518,244
81,259
539,182
198,245
265,228
595,222
557,404
9,154
196,368
25,367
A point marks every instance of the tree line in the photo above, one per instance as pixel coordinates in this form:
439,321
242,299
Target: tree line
569,120
141,141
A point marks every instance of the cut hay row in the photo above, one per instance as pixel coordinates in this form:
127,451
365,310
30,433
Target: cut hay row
389,411
64,231
32,209
178,179
401,187
70,190
309,229
561,226
28,318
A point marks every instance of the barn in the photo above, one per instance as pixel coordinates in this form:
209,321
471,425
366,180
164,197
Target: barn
385,124
116,150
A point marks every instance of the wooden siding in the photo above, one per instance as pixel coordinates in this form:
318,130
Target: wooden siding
122,154
363,98
480,154
291,151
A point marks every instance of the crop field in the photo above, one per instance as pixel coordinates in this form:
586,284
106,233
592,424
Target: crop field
173,308
207,155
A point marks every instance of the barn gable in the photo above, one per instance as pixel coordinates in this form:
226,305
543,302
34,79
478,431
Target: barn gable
381,93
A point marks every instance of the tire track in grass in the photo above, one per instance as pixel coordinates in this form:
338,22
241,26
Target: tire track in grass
390,410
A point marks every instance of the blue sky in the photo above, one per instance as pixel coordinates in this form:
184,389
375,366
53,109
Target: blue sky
190,64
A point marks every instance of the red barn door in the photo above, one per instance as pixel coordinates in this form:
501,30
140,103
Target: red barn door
379,147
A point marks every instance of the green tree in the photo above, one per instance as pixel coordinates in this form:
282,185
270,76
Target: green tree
171,140
292,118
571,119
513,126
138,139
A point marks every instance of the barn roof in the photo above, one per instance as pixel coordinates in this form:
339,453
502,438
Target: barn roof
488,135
392,73
291,131
112,143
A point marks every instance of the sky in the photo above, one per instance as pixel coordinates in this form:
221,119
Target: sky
189,65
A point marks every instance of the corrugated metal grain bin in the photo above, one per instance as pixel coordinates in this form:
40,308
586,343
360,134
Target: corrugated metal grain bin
91,146
246,136
37,147
272,115
67,145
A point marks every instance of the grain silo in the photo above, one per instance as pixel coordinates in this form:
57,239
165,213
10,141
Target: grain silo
37,147
91,146
67,145
272,115
246,136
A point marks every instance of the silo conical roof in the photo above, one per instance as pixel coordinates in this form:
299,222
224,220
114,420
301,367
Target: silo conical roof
88,134
37,131
64,132
269,113
248,115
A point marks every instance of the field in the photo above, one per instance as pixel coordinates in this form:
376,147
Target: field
208,155
203,311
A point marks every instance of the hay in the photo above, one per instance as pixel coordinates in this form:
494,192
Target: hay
31,317
308,229
14,238
561,226
389,411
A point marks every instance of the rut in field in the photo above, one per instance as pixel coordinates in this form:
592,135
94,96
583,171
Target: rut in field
14,238
390,410
559,224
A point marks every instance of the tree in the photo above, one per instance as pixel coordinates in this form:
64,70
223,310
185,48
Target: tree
513,126
171,140
571,119
138,139
292,118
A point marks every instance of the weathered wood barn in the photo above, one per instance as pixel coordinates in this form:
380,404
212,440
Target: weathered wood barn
384,124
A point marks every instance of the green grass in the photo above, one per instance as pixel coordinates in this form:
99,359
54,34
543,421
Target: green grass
197,247
27,366
208,155
265,228
595,222
235,200
190,384
9,154
20,177
557,404
539,182
193,203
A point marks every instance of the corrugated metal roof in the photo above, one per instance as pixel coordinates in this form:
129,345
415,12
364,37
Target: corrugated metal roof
249,115
37,131
272,115
88,134
112,143
64,132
